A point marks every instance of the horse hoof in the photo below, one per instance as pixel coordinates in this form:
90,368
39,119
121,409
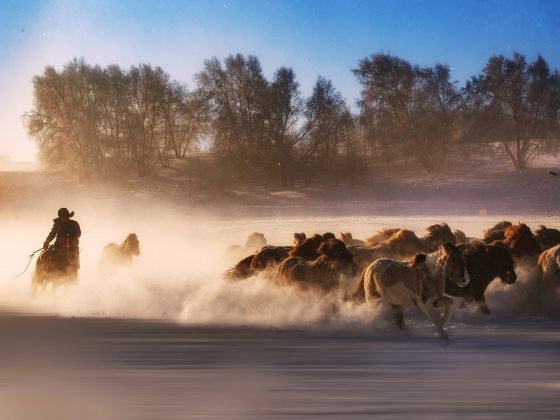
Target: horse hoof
443,336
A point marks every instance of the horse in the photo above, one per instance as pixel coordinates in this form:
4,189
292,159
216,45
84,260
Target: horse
436,235
460,237
308,249
54,266
122,254
549,265
401,244
547,237
321,274
348,240
418,283
241,270
483,264
496,232
254,242
299,237
520,241
381,236
269,257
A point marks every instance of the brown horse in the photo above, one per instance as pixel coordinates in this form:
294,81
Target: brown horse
308,249
241,270
460,237
299,237
436,235
381,236
401,244
496,232
419,283
321,274
520,241
547,237
122,254
54,267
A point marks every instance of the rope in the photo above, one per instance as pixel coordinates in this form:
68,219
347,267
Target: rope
28,262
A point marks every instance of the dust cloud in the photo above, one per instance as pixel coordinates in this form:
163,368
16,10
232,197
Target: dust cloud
178,276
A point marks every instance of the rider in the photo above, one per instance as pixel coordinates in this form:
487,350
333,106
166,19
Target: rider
66,245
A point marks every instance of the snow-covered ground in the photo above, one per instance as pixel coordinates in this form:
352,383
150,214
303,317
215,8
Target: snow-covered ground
251,349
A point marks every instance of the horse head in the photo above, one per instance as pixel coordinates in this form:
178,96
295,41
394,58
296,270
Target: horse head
131,245
450,263
340,259
503,262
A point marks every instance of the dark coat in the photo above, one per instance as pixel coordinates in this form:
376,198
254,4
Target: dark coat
483,264
67,233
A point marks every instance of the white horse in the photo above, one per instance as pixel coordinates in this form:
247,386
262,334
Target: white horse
418,283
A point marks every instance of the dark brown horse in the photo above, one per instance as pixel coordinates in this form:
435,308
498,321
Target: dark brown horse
269,257
483,264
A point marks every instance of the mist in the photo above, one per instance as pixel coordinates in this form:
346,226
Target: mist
178,276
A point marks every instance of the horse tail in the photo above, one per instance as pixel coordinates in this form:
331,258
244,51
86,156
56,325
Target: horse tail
358,296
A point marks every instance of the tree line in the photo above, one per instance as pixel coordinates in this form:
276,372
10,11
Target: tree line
109,120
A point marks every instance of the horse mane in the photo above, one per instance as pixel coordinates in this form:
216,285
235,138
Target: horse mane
493,236
520,240
438,234
402,238
500,226
547,237
402,243
381,236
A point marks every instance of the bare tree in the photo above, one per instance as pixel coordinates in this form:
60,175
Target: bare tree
515,104
407,110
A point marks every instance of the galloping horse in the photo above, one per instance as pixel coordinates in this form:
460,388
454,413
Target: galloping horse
122,254
55,266
418,283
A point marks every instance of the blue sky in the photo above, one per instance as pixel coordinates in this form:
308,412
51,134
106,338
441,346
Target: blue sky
314,37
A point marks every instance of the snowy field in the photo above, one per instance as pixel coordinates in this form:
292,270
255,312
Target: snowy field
168,338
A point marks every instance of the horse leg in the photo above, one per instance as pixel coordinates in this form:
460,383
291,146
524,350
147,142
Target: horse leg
428,309
481,302
398,316
449,309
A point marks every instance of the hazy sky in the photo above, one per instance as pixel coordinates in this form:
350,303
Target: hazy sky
313,37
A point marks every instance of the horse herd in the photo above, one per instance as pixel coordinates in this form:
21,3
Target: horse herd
436,273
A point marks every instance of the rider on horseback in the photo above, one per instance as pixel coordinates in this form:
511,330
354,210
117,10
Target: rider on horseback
66,246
